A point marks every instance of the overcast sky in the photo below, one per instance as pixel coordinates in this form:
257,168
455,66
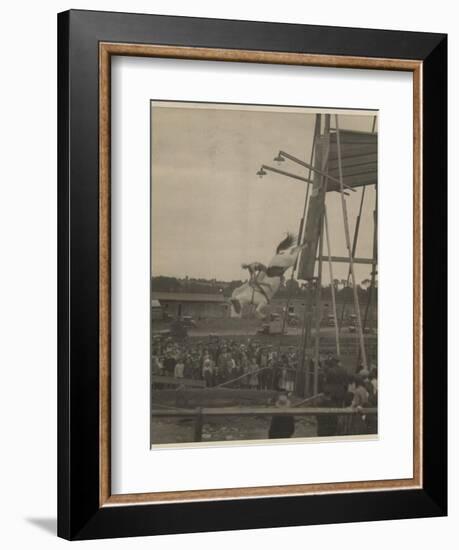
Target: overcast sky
210,212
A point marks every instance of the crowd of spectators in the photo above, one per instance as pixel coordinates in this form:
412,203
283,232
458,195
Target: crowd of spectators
250,364
227,362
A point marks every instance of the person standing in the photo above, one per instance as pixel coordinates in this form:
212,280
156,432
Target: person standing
169,364
196,366
207,371
253,381
245,368
336,381
263,373
282,426
327,424
179,369
360,401
269,375
230,366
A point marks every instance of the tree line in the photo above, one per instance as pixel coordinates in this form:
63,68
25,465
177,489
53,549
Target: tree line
291,287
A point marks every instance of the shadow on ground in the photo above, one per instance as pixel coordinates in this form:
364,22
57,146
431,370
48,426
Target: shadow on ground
45,524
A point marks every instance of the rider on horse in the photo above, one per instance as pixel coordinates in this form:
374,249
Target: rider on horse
265,281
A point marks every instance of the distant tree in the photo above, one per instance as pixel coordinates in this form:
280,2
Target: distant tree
292,286
165,284
326,293
346,295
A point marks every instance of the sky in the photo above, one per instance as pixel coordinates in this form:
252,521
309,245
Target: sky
211,212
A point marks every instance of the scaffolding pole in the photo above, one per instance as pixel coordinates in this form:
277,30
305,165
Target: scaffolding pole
332,286
349,248
306,329
354,248
356,229
324,167
373,269
318,313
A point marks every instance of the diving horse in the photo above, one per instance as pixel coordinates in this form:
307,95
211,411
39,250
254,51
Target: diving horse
265,281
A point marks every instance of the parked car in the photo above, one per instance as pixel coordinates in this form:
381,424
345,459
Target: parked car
274,326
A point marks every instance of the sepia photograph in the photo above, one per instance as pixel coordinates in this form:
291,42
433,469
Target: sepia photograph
264,274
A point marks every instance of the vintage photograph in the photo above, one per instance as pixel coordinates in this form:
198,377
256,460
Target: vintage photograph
264,273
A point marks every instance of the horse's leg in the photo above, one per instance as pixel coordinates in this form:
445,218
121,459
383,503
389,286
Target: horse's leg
236,308
260,310
237,300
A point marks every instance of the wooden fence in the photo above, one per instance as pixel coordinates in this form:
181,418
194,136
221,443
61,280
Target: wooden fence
202,412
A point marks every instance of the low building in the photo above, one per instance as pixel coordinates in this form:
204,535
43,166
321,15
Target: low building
197,305
156,310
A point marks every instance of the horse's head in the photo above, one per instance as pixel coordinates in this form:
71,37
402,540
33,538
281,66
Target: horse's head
286,253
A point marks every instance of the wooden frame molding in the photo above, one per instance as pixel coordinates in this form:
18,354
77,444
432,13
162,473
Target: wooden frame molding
87,40
106,51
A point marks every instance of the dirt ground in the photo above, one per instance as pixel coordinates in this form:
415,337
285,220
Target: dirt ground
173,430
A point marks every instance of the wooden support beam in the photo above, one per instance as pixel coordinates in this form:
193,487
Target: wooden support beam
331,186
350,251
314,218
330,270
284,173
260,411
198,426
345,259
313,168
171,381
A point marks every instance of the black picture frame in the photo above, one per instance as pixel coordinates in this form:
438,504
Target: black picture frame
80,515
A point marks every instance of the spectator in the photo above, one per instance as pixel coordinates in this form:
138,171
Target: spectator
374,384
179,369
335,382
253,369
361,395
360,401
282,426
169,364
207,371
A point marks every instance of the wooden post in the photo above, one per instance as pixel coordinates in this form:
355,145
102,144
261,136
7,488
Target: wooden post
374,264
348,244
306,340
323,190
318,315
332,286
292,276
354,248
198,425
313,220
306,332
